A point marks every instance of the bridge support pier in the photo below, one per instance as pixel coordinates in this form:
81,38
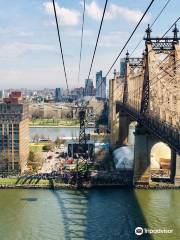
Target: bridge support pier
175,168
141,156
113,114
177,174
124,122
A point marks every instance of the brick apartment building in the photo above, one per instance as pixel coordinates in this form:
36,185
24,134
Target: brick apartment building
14,133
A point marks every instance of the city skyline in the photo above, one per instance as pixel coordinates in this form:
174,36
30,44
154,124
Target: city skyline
29,51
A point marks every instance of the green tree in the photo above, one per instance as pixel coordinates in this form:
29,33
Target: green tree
58,142
35,160
49,147
31,156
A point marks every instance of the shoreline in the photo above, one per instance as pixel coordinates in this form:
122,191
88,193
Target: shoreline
88,186
51,126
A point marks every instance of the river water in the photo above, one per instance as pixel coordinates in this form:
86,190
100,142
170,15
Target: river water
53,133
98,214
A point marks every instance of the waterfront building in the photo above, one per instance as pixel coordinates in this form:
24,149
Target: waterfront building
100,86
14,133
58,95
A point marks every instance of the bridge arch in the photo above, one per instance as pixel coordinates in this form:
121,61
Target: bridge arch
160,161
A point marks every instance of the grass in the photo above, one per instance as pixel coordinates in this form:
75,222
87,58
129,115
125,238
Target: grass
37,147
8,181
54,122
16,181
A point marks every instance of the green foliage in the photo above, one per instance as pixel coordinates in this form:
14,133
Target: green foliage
31,156
54,122
49,147
35,160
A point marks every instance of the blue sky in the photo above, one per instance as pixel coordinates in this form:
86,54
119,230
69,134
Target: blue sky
29,51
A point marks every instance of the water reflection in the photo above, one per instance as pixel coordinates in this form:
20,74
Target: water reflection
98,214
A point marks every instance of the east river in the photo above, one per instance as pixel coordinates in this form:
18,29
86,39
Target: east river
54,132
97,214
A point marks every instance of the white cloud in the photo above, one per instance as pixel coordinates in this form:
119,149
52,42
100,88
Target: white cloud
18,49
67,17
94,11
128,14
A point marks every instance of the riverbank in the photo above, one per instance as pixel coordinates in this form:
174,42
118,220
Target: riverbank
16,183
54,123
53,126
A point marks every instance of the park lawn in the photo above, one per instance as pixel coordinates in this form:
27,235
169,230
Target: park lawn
14,181
37,147
54,122
8,181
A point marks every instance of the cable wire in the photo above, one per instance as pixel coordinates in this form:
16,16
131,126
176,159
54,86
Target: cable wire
102,19
82,34
130,37
155,20
151,50
60,45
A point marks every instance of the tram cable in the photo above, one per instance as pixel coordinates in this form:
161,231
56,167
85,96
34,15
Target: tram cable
144,14
60,44
81,44
155,20
130,37
160,62
97,40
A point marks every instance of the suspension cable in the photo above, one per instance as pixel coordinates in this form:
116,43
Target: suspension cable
155,20
160,38
151,50
127,41
130,37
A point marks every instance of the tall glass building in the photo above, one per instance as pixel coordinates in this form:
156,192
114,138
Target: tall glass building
58,95
100,86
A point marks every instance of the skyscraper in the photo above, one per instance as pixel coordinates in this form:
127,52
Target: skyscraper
58,95
14,133
89,87
100,86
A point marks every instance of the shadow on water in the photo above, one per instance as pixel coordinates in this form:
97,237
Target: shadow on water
29,199
88,215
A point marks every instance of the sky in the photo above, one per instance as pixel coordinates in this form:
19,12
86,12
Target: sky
29,48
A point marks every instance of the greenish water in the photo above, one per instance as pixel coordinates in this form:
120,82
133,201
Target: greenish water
95,214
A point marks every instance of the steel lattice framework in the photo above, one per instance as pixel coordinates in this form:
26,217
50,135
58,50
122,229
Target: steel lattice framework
152,88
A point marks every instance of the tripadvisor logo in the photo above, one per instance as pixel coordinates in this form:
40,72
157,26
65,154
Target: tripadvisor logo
138,231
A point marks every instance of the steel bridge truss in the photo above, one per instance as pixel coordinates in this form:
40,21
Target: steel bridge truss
161,129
